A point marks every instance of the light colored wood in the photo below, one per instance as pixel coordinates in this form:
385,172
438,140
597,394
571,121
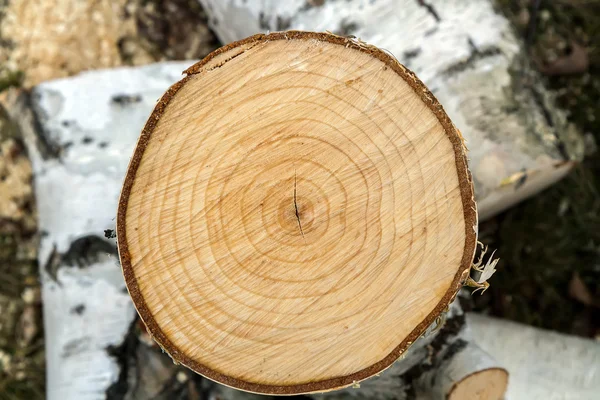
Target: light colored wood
489,384
297,212
465,371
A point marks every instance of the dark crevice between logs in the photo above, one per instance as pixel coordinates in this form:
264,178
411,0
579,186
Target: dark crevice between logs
125,356
444,346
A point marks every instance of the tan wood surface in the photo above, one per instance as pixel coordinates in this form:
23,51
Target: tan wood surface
489,384
298,210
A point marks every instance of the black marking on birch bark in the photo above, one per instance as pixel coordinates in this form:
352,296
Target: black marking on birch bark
538,98
445,336
430,9
125,356
75,346
409,55
87,250
283,23
82,252
455,347
263,21
52,264
126,99
431,31
110,233
444,346
521,180
347,28
47,147
78,309
476,55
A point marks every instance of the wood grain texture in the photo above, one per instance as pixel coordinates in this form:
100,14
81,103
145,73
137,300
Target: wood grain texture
297,212
486,384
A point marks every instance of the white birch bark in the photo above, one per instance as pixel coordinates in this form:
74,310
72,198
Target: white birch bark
542,364
80,133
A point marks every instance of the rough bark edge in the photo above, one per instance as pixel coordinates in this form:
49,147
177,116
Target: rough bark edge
467,196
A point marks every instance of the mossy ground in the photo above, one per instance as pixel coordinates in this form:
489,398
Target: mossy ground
21,327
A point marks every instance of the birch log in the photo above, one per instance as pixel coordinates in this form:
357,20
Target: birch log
79,133
470,58
542,364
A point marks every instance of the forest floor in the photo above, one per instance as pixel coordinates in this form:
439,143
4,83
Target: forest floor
549,245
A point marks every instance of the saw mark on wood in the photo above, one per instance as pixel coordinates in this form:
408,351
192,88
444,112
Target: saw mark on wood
296,204
219,65
124,355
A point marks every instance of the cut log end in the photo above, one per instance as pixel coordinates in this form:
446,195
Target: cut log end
297,212
488,384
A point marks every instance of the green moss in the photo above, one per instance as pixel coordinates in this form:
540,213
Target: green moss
10,79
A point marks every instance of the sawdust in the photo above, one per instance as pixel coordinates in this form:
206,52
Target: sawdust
42,40
15,181
53,39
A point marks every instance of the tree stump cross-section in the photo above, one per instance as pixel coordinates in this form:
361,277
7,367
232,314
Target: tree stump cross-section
297,212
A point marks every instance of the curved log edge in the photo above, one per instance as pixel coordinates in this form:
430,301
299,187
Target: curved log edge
215,60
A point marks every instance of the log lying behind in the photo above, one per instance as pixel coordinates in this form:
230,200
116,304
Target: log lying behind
297,212
79,134
468,55
467,372
543,364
